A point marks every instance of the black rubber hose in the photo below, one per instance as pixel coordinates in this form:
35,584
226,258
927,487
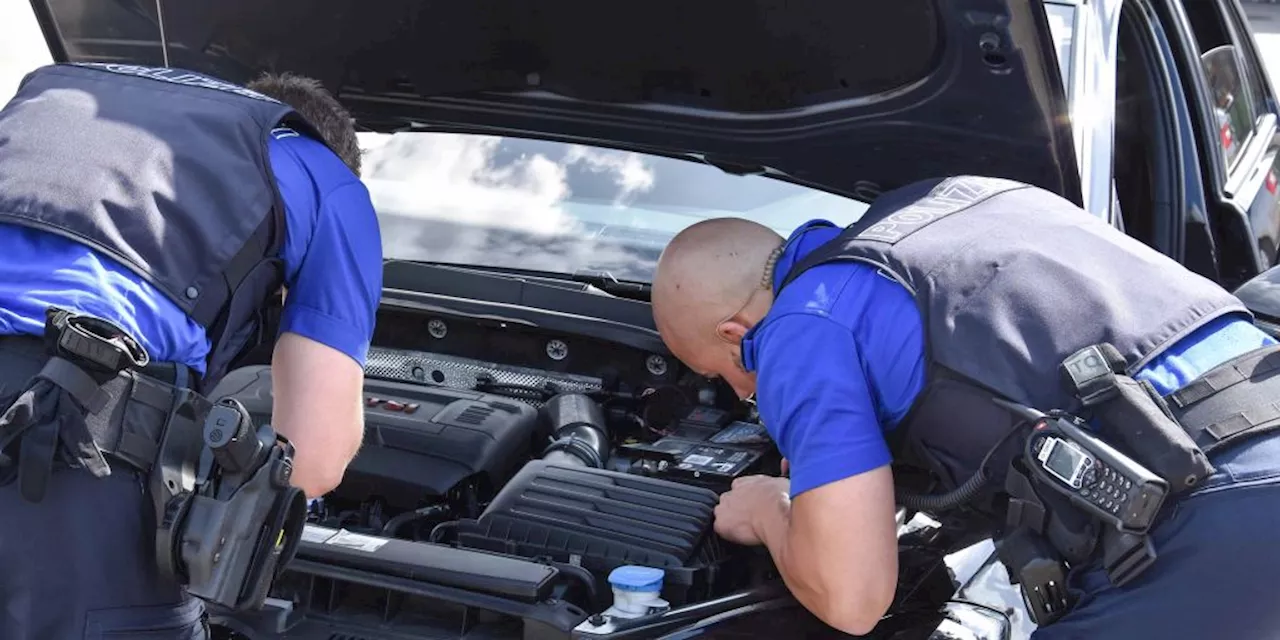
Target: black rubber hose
393,525
578,427
584,577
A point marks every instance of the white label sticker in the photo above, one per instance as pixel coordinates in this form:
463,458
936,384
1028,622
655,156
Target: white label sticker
698,460
316,535
357,541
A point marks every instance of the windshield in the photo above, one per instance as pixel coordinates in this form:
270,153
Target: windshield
548,206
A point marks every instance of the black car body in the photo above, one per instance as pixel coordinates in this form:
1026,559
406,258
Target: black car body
1175,123
448,526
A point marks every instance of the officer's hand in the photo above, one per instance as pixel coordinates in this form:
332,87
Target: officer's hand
750,499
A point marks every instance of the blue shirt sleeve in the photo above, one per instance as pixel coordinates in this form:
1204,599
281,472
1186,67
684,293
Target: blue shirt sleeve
815,400
333,248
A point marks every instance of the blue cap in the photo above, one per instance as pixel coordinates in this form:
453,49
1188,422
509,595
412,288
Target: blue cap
636,578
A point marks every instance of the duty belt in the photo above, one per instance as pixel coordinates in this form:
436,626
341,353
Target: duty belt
1219,409
224,526
98,396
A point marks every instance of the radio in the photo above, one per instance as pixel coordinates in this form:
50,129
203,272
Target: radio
1094,475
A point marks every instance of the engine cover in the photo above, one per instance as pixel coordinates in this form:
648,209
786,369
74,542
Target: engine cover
602,520
420,441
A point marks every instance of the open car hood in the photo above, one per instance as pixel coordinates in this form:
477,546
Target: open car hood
852,97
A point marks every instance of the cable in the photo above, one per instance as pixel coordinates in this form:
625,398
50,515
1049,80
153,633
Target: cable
974,485
394,524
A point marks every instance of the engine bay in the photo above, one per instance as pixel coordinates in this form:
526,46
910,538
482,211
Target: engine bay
578,455
536,465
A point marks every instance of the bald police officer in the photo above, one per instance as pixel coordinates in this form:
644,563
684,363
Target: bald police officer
899,338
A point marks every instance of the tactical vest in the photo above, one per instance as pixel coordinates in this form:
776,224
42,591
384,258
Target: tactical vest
167,172
1010,281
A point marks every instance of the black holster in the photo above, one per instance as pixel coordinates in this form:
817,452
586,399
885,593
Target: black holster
226,517
229,525
1040,573
1043,535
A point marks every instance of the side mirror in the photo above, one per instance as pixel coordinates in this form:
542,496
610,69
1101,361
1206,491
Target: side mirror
1262,296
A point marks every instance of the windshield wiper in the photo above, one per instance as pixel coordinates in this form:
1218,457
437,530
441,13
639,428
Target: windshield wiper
604,281
600,279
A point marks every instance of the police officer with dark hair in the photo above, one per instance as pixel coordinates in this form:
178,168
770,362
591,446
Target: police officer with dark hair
154,214
943,333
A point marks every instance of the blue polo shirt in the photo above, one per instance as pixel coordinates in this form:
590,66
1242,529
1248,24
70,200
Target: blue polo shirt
332,257
839,359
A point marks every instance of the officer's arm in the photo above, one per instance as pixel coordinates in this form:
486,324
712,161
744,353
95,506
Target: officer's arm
333,265
835,539
320,414
836,547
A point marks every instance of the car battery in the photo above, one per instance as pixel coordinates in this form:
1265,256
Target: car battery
699,455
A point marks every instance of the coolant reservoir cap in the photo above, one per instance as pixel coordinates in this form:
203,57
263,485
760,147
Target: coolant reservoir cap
636,578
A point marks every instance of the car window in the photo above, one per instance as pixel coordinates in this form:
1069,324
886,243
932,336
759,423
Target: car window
549,206
1232,105
1238,100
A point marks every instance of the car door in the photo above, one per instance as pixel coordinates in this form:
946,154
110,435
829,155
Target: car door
1228,90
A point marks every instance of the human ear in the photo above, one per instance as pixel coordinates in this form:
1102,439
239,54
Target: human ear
731,331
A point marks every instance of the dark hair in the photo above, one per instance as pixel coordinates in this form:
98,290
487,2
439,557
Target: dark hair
318,107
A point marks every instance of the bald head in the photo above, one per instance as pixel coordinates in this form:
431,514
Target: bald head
707,273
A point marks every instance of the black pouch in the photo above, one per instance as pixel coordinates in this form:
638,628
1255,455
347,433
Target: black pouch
1131,414
1140,419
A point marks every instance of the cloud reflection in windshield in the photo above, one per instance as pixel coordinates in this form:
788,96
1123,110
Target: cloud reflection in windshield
546,206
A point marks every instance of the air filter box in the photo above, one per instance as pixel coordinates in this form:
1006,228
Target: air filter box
601,520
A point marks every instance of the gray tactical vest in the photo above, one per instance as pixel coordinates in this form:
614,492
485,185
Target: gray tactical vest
164,170
1011,279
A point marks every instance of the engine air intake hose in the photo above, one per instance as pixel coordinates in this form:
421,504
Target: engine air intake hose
578,431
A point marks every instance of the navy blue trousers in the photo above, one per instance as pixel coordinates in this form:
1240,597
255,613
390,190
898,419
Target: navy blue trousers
1217,572
81,563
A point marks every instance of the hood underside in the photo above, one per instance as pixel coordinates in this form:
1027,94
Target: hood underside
854,97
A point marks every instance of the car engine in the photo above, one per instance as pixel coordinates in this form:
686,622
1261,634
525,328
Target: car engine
538,474
585,473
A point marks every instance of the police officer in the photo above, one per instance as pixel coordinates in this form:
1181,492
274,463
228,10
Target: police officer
171,206
888,341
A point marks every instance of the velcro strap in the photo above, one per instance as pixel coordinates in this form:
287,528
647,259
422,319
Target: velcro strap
35,459
1126,556
1090,373
66,374
1237,400
132,423
1250,365
1266,416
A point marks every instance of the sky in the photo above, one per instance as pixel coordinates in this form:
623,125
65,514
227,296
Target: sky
22,47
